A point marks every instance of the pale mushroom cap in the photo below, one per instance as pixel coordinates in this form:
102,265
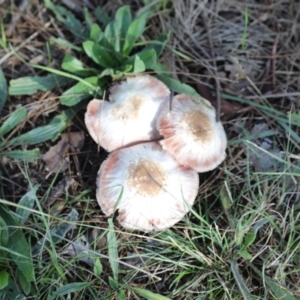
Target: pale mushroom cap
146,184
131,114
191,133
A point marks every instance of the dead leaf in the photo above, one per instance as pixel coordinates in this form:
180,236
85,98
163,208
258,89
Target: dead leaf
264,151
101,242
62,186
56,158
228,108
81,249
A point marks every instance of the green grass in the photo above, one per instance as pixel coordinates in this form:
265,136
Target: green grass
240,241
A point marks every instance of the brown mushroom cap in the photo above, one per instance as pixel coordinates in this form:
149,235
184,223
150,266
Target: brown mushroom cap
146,184
191,133
131,114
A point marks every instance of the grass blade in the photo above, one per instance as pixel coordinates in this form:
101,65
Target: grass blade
240,281
177,86
71,288
58,232
277,290
3,90
113,249
149,295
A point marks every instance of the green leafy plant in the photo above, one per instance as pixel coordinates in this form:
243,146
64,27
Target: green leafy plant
113,51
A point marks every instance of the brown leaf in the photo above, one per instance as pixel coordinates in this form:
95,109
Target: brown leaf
227,108
56,158
58,190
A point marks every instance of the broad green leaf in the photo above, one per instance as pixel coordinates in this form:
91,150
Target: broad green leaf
47,132
71,288
147,56
75,66
113,249
113,283
4,278
13,120
109,33
160,69
122,295
3,233
17,243
75,26
149,295
58,232
28,200
134,32
251,235
80,91
98,54
139,65
88,18
3,90
278,291
98,267
226,202
23,155
149,8
239,280
96,33
159,43
177,86
25,284
64,43
245,254
121,24
30,85
102,15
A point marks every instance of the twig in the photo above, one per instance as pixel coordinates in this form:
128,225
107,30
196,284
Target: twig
274,51
218,94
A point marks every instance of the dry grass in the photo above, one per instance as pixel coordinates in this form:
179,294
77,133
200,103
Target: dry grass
259,61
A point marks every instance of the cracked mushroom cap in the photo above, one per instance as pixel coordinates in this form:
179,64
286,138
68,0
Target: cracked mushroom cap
147,186
191,133
131,114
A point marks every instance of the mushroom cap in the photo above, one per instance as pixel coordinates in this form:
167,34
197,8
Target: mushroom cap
191,133
147,186
131,114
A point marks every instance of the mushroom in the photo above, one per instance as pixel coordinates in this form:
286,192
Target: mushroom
148,187
192,134
131,114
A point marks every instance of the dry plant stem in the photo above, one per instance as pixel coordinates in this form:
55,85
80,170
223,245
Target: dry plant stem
274,51
35,34
16,17
218,94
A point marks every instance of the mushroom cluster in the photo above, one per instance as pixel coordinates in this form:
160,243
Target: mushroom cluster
150,176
